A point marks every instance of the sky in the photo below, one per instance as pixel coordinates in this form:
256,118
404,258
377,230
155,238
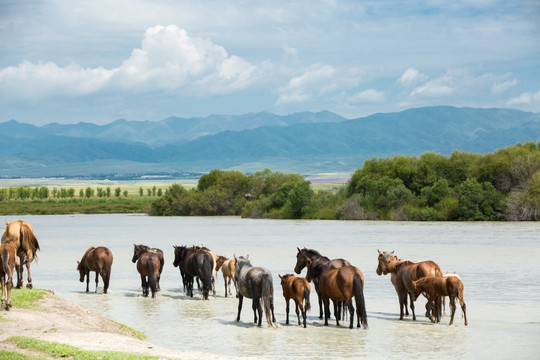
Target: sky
97,61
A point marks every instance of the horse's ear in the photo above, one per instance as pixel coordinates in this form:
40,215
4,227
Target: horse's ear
380,252
247,256
6,222
298,249
78,262
392,252
281,277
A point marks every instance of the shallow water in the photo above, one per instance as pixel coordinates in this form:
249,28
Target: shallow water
498,263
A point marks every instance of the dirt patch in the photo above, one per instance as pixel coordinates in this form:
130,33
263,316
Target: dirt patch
65,322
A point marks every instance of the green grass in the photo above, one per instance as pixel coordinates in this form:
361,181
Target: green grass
27,298
76,206
11,355
138,334
57,350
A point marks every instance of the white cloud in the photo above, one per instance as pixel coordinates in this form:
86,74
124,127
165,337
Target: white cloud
168,59
501,87
367,96
317,80
439,87
411,77
526,98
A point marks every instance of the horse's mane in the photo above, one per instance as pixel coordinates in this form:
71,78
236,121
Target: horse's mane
312,251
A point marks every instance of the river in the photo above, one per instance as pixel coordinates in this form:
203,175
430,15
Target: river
498,263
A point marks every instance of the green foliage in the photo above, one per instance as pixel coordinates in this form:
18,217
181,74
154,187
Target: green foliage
26,298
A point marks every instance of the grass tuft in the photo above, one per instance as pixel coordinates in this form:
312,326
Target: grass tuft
27,298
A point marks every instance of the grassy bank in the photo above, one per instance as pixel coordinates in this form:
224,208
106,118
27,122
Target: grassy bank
76,206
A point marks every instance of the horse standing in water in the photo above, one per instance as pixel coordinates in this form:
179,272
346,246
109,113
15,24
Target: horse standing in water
322,264
227,268
27,246
98,259
255,283
405,273
195,263
433,287
148,266
298,289
341,285
140,249
8,261
215,269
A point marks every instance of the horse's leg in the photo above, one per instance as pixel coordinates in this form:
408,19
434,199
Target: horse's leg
326,303
255,307
8,293
144,286
260,310
4,290
287,310
240,300
19,272
405,303
429,309
87,281
351,312
225,281
97,279
412,307
336,312
402,299
298,312
272,309
452,309
106,277
464,309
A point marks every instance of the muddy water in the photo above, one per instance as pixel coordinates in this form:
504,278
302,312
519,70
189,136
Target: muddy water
498,263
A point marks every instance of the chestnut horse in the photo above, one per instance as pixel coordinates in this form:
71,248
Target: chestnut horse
255,283
148,266
298,289
98,259
323,264
27,247
383,255
342,284
8,260
227,268
405,273
140,249
433,287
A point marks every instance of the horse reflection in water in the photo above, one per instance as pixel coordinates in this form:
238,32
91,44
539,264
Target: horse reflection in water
255,283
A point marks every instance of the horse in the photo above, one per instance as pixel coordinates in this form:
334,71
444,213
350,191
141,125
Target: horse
140,249
323,263
255,283
214,270
341,285
433,287
195,263
227,269
27,247
405,273
98,259
383,255
298,289
148,266
8,261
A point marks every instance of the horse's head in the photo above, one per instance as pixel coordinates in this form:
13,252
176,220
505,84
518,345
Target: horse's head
81,271
138,250
383,256
179,253
220,261
300,261
240,262
416,290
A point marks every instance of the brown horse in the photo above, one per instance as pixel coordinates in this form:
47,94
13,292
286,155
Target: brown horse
148,266
298,289
381,269
98,259
405,273
342,284
434,287
227,268
27,247
322,264
215,269
140,249
8,260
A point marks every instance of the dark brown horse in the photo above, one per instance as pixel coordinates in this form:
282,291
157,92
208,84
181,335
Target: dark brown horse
322,264
98,259
405,273
341,285
27,246
148,266
140,249
298,289
8,261
434,287
194,263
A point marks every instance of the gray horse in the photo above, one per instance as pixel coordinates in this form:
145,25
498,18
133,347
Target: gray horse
255,283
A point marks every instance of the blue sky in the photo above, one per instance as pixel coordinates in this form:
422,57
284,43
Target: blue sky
97,61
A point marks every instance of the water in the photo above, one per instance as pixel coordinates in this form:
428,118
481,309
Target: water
498,263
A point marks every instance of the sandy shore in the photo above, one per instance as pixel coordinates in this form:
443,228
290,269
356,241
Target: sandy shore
65,322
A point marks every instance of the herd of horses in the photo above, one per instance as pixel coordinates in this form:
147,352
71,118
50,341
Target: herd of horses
336,280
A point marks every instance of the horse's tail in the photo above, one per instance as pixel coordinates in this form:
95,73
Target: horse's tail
207,273
268,297
306,298
151,276
28,241
359,298
5,260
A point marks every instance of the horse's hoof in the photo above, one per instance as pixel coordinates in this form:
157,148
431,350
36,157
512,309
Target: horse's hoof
29,286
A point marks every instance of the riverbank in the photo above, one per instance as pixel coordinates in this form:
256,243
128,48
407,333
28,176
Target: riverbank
61,321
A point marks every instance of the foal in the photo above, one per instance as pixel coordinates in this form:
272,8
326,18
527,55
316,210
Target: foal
227,268
298,289
8,260
433,287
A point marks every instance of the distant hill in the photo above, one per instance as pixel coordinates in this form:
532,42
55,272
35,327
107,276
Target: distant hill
303,142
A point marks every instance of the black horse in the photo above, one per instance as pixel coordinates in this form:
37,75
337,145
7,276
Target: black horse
255,283
140,249
194,263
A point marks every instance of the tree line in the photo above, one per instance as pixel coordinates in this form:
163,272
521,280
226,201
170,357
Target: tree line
44,193
503,185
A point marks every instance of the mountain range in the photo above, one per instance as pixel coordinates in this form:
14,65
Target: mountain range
304,142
